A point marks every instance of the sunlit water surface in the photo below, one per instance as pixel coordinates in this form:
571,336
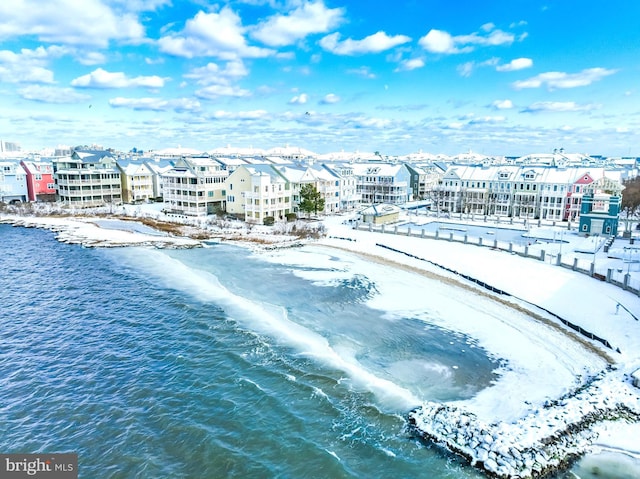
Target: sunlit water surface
212,363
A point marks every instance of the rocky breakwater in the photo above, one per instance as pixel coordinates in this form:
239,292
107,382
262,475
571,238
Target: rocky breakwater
537,445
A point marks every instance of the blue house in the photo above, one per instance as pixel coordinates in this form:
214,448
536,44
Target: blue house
13,182
600,208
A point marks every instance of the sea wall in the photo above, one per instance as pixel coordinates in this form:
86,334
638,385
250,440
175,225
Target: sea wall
537,445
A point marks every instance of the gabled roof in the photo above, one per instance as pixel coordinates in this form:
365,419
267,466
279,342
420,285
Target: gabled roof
133,167
377,169
38,167
92,156
382,209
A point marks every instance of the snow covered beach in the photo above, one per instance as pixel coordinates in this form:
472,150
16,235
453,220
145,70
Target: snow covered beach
544,364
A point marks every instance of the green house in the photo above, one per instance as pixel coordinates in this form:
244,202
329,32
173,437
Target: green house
600,208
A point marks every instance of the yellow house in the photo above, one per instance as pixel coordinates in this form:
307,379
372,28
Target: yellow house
137,181
256,192
381,214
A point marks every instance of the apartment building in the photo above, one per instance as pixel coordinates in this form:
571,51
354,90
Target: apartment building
256,192
195,186
88,178
383,183
520,191
348,196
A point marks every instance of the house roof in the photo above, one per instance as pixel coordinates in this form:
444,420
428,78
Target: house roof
92,156
382,209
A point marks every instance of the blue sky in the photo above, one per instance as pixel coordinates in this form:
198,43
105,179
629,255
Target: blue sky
496,77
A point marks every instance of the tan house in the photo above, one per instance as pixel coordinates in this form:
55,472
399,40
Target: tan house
381,214
137,181
256,192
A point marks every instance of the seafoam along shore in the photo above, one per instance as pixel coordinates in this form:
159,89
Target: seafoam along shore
539,444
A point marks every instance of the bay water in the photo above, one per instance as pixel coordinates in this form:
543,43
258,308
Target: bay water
216,363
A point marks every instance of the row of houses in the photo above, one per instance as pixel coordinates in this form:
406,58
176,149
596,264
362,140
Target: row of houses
254,188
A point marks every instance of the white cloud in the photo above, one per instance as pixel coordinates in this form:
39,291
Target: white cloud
50,94
240,115
213,92
28,66
410,64
487,119
218,35
558,106
213,74
17,73
100,78
363,72
155,104
299,99
90,22
330,99
466,69
376,43
554,80
307,19
502,104
516,64
90,58
439,41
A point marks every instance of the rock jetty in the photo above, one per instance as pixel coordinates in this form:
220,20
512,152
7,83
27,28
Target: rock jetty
537,445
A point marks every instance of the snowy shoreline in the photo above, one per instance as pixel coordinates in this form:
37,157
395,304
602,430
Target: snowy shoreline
535,283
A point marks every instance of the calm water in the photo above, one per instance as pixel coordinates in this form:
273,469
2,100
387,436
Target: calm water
213,363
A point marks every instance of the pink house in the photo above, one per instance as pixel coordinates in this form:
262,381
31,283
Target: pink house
40,183
574,195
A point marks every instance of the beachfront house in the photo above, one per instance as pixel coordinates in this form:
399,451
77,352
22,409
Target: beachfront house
540,192
383,182
326,182
423,178
195,186
88,178
600,207
158,167
256,192
137,181
40,183
348,196
13,182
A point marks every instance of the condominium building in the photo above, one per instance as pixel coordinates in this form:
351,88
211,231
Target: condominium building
88,178
137,181
520,191
195,186
256,192
383,183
